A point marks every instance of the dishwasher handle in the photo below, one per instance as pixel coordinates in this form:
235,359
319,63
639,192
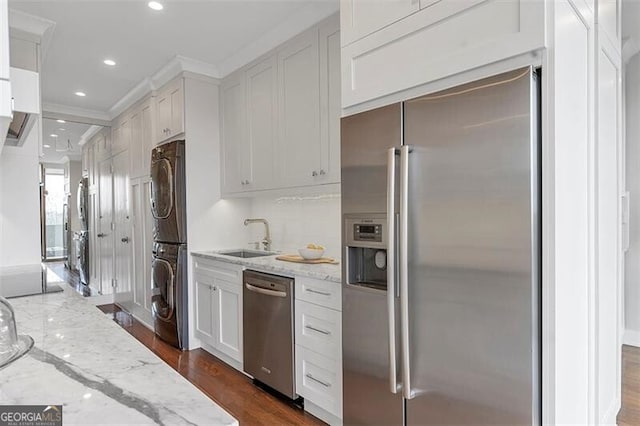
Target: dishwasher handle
265,291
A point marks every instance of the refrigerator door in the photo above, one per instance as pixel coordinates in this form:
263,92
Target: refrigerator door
472,254
366,139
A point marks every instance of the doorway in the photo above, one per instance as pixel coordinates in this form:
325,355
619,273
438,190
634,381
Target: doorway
54,214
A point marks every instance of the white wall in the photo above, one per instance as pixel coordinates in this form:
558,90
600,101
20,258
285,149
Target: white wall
632,263
20,203
296,221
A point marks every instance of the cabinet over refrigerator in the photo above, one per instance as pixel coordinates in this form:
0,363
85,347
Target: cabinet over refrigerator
444,329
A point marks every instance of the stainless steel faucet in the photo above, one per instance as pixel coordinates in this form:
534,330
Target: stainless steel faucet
266,241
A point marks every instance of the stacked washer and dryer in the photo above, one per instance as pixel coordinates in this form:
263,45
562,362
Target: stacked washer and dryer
169,304
82,237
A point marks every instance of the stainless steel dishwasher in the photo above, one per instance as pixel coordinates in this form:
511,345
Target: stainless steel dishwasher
268,330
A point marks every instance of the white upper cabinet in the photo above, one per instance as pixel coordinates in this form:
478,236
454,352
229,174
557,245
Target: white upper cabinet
442,39
262,108
233,119
330,108
280,116
141,139
170,110
121,135
359,18
299,110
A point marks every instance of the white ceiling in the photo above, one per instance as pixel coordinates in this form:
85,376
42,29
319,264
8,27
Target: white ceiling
142,40
69,134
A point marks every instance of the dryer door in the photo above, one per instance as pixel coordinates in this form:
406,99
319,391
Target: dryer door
161,188
162,299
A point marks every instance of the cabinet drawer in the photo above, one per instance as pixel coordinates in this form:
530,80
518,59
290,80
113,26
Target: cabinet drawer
323,293
319,379
216,269
319,329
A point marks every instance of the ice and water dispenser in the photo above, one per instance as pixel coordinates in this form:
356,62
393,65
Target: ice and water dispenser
366,250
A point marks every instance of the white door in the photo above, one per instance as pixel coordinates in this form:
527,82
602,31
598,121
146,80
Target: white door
141,246
122,223
94,241
299,111
136,145
105,227
262,110
228,298
359,18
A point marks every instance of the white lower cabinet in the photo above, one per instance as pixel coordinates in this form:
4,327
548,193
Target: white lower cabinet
318,349
218,294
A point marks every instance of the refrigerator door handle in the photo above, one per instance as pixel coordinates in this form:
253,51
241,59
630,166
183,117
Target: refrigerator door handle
404,271
391,267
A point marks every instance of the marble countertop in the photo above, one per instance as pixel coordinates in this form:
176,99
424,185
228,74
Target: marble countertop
321,271
96,370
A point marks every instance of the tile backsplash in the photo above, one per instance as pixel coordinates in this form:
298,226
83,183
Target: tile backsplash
296,221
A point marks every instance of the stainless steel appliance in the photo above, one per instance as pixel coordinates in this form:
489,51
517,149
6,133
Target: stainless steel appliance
447,186
169,284
268,330
82,254
169,303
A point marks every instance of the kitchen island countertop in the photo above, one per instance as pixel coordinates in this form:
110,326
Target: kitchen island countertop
99,373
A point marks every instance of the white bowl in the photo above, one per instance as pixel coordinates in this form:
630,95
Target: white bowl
311,254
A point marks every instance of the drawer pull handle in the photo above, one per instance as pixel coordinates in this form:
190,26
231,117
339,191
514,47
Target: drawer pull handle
310,290
325,384
319,330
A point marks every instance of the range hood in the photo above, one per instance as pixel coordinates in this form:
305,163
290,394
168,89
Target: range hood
19,128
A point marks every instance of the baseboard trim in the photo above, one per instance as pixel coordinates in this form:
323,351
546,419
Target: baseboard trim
611,416
631,338
321,413
102,299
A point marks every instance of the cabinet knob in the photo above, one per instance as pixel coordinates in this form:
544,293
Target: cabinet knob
322,172
214,288
125,239
314,173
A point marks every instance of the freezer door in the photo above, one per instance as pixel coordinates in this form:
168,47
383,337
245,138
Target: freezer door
365,140
472,254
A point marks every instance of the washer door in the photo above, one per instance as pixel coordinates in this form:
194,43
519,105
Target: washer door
162,301
161,188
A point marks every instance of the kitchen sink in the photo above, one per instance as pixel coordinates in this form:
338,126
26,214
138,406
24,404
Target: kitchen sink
247,253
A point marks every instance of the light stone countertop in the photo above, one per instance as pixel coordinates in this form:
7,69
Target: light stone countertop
100,373
321,271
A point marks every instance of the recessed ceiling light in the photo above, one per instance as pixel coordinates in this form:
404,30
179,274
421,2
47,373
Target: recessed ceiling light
61,121
155,5
53,135
109,62
81,94
47,146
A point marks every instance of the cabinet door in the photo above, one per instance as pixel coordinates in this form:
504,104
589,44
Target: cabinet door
359,18
163,122
205,309
262,110
228,297
299,111
330,103
146,137
135,149
176,94
233,145
121,137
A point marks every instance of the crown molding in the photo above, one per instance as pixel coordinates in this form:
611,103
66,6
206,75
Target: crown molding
52,110
33,28
304,19
91,132
178,65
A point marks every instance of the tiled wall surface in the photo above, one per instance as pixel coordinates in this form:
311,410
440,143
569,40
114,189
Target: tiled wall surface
296,221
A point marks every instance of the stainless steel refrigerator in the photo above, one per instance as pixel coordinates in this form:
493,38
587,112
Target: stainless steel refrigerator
441,272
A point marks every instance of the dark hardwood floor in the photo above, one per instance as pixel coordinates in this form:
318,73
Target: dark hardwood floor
229,388
630,412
